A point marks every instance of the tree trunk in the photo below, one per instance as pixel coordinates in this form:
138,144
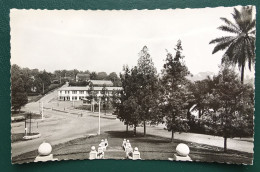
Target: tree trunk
172,135
144,129
105,108
242,73
134,130
127,128
225,144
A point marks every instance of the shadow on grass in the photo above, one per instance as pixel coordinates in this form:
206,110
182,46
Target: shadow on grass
151,148
129,135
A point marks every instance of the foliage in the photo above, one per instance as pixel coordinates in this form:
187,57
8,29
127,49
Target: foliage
18,93
174,99
104,97
101,76
125,101
147,93
115,79
233,116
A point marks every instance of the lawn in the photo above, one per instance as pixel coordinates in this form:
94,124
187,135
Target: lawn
151,147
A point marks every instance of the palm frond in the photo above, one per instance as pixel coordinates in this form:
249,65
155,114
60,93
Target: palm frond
228,22
221,46
221,39
233,50
251,25
228,29
253,32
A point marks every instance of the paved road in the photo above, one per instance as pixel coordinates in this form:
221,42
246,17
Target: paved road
59,127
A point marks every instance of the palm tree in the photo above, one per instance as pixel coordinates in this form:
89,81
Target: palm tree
240,47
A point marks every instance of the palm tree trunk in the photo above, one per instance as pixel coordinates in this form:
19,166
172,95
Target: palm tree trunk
225,144
242,73
172,135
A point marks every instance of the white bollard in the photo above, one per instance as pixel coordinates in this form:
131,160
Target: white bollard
182,153
93,153
136,154
44,151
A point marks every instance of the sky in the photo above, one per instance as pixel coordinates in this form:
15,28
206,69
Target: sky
99,41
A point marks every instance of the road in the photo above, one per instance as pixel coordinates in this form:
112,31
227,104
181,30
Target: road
59,127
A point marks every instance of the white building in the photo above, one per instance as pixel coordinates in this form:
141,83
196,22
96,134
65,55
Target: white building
78,93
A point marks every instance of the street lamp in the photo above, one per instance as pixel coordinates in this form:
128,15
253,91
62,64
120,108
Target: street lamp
99,99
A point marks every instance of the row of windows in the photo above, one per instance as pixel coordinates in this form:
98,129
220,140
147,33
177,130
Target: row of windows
73,92
80,92
72,98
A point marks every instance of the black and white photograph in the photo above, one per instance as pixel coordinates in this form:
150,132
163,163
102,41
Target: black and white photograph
173,85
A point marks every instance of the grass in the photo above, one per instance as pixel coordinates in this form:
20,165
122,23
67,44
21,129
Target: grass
151,148
18,137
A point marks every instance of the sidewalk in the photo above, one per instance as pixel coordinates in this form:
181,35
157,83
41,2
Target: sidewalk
243,145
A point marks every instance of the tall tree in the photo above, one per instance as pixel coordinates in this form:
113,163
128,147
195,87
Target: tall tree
233,107
240,47
174,96
126,105
147,92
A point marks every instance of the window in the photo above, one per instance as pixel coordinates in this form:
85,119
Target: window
81,92
74,92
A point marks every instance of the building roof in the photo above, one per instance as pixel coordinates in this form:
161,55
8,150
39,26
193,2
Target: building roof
102,82
87,87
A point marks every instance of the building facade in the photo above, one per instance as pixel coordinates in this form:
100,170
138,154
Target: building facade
80,93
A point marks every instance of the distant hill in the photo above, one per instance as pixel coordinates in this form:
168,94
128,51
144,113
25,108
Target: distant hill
203,75
200,76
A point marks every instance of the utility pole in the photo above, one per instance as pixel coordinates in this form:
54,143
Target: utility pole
42,88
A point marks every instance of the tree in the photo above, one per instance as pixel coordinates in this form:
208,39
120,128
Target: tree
92,96
125,103
115,79
147,91
235,102
18,93
239,48
102,76
200,91
93,75
174,98
105,97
